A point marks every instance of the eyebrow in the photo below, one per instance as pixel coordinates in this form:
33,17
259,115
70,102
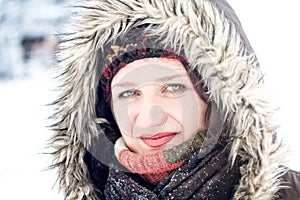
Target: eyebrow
167,78
127,84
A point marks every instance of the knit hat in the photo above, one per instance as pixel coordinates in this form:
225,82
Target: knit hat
137,45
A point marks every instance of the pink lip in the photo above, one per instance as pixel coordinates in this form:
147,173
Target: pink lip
159,139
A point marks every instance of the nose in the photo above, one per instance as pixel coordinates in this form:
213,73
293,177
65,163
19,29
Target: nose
150,115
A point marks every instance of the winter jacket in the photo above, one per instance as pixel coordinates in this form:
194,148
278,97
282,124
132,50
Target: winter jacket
212,40
291,180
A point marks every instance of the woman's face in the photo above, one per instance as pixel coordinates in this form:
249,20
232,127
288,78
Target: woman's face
156,105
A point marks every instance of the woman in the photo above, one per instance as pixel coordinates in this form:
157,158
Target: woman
164,100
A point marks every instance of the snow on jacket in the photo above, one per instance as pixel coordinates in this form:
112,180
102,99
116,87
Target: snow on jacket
214,44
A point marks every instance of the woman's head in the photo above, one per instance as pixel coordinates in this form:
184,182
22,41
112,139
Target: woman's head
155,98
155,104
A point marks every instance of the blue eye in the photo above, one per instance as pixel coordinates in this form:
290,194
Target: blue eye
174,88
128,94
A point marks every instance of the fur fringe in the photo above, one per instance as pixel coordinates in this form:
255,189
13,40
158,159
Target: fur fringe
214,44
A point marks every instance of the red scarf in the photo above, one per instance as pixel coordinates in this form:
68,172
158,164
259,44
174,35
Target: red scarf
155,166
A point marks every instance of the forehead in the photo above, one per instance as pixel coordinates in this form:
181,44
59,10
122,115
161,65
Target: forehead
150,69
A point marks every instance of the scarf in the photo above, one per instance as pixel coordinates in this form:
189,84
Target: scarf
210,177
155,166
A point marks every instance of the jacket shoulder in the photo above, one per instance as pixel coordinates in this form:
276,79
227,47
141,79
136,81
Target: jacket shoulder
291,184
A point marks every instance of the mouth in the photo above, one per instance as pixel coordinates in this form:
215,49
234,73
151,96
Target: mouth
159,139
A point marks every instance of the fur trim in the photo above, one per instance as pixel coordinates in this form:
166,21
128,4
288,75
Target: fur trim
214,44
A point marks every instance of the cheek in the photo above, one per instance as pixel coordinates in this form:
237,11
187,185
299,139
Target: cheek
193,114
173,108
124,118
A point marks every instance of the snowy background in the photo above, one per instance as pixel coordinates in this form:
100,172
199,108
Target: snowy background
26,46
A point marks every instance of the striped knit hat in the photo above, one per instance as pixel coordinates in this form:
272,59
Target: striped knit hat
136,45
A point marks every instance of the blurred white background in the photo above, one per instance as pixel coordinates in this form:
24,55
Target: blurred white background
273,30
25,83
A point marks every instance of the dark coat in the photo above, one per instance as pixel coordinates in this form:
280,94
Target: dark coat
188,182
291,181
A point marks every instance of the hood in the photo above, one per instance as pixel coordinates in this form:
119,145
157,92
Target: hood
214,44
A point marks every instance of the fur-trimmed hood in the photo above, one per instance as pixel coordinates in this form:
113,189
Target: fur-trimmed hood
214,44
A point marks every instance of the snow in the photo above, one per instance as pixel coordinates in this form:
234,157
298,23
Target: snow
23,173
270,27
